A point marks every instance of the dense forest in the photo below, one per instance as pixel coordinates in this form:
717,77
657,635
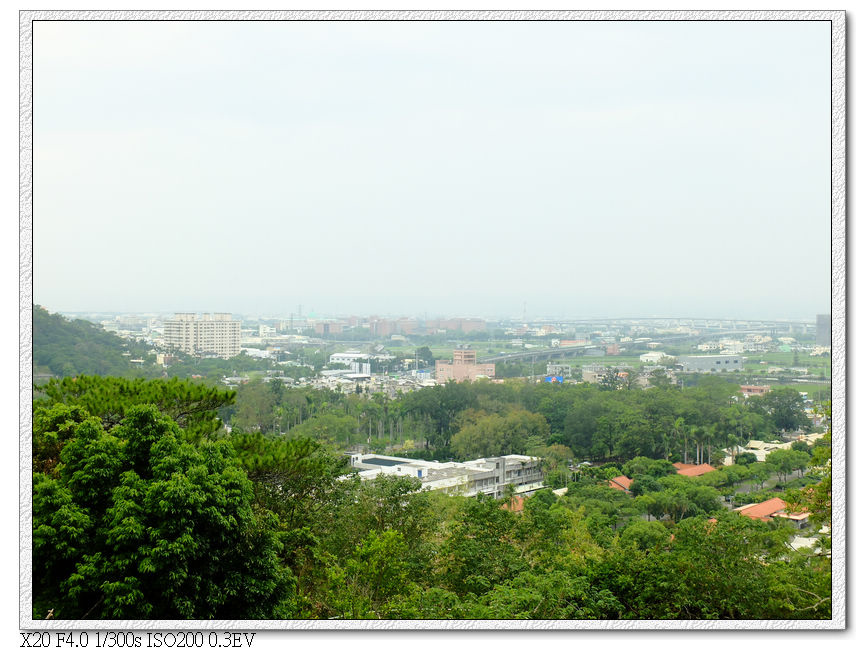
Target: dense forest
145,506
468,420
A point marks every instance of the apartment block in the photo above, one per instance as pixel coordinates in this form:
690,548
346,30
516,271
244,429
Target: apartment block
464,325
329,327
206,335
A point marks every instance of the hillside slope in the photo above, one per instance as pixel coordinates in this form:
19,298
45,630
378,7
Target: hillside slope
65,348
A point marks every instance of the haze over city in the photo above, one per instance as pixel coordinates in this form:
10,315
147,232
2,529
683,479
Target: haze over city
582,169
469,319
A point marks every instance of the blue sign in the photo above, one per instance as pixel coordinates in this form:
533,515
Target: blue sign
552,379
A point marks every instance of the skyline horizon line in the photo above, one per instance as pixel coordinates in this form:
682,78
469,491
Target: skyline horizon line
437,316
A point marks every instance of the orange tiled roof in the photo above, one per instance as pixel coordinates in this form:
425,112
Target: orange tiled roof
683,465
763,510
697,470
621,483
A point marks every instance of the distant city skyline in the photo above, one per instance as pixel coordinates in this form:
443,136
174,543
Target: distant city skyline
587,169
268,315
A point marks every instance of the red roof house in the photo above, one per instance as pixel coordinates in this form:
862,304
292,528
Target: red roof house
696,470
621,483
775,507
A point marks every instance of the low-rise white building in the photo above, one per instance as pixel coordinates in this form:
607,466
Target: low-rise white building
348,357
652,357
712,363
481,476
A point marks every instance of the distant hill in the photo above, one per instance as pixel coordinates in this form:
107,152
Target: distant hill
65,348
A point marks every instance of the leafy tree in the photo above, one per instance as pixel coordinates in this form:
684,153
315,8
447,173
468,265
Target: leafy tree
801,445
645,535
759,472
631,380
555,463
609,380
644,484
784,408
432,603
192,406
817,499
375,572
608,434
53,427
556,594
480,551
425,356
746,458
784,461
296,478
680,497
256,404
709,570
329,428
152,527
387,503
647,466
658,379
495,435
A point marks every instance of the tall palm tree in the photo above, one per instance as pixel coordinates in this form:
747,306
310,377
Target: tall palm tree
699,435
682,434
714,437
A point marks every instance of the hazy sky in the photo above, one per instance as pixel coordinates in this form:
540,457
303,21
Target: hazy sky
587,169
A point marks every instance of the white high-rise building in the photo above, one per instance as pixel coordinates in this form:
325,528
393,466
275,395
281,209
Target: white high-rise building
210,334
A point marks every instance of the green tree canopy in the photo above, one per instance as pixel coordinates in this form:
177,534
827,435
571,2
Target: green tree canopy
138,523
191,405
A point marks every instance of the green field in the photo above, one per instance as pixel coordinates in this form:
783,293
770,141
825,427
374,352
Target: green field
816,392
787,359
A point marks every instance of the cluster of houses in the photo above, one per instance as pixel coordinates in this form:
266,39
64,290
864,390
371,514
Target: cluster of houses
683,469
764,511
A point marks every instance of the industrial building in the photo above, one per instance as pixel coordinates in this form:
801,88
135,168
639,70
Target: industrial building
712,363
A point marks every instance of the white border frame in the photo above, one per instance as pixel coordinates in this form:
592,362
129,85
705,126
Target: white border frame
839,332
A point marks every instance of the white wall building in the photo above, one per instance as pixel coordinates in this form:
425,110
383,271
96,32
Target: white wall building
712,363
652,357
731,346
349,357
209,335
484,475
